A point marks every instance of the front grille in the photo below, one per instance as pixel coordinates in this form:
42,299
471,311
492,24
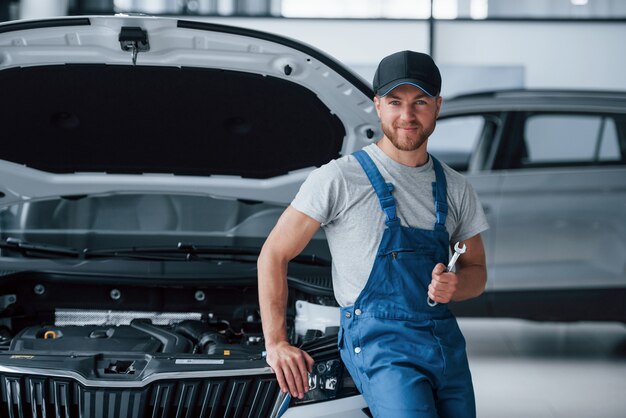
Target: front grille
25,396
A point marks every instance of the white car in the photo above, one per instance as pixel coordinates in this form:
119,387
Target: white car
143,162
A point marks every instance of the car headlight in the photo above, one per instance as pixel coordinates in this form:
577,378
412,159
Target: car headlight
329,378
327,381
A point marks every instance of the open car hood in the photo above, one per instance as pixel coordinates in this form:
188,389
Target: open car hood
204,109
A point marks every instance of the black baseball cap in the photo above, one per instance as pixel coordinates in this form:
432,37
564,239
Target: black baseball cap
407,67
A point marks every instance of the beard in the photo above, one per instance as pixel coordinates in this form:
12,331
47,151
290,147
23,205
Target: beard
407,143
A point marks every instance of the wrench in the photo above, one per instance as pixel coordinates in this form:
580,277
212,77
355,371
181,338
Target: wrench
458,250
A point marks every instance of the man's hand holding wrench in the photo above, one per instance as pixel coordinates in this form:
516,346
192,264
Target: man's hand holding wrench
458,250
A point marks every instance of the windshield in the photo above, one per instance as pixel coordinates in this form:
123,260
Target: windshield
142,220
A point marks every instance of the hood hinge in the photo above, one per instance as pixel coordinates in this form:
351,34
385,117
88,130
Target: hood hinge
134,39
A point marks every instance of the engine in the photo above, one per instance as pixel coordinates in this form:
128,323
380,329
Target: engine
141,335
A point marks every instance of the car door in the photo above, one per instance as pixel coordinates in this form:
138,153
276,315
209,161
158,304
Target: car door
561,225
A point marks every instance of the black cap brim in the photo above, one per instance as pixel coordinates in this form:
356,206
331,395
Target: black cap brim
425,87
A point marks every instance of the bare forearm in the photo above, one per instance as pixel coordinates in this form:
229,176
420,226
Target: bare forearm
290,235
471,282
273,295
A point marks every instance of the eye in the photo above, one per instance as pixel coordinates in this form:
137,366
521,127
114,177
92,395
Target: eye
394,102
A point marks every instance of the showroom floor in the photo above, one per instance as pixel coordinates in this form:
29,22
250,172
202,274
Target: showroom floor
524,369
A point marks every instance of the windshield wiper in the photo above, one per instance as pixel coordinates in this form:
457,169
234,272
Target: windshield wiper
33,249
181,251
197,252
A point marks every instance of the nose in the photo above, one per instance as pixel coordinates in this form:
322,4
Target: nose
407,113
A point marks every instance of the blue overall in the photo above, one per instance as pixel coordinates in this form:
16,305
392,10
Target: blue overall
408,359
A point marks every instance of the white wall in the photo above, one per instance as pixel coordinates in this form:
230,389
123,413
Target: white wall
582,55
553,54
35,9
353,42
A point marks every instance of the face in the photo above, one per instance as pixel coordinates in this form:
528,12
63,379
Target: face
407,116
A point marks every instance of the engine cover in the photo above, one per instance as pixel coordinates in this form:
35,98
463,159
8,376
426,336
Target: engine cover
85,338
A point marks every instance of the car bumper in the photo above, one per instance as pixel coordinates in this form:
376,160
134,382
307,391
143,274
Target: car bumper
351,407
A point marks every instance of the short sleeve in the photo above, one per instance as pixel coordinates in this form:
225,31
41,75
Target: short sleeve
472,219
322,195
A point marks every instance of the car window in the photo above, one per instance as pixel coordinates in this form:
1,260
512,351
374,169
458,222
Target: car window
557,139
454,139
609,146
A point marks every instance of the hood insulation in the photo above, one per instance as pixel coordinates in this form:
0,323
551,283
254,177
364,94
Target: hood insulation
148,119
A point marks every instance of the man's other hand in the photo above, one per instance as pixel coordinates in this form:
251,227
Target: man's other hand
291,366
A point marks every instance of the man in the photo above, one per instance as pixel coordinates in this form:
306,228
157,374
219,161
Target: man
391,213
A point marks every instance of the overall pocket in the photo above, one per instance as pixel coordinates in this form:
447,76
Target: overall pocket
410,272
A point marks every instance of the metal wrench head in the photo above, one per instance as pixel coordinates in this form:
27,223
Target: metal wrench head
458,249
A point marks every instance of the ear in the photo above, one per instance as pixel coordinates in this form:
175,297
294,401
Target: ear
439,102
377,105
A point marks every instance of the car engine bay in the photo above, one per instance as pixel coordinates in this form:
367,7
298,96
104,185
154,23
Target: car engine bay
85,338
65,314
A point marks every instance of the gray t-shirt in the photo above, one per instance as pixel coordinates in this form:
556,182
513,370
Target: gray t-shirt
340,196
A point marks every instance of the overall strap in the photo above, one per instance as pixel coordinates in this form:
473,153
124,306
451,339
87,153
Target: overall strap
383,190
440,195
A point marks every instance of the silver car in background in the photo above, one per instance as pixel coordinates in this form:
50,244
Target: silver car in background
550,170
